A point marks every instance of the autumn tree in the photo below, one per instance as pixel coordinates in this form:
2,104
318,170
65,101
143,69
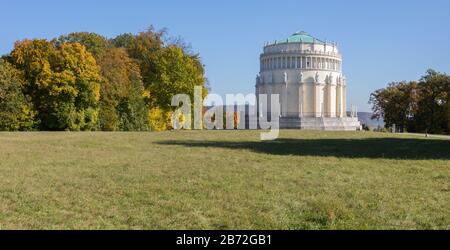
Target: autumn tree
176,73
146,48
16,111
122,92
84,81
167,69
63,82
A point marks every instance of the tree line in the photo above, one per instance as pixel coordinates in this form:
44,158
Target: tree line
415,106
84,82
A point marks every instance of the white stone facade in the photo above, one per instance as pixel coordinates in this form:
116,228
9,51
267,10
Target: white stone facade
307,75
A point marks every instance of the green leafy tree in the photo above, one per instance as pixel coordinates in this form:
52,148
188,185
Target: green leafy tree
433,115
416,107
123,41
94,43
133,112
397,104
63,82
16,111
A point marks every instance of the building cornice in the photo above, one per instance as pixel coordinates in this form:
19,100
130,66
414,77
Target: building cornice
302,70
302,53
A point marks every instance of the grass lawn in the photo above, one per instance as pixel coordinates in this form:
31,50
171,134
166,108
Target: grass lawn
223,180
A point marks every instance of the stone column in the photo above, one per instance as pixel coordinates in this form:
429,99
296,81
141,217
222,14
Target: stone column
318,102
339,112
332,100
344,101
285,101
300,99
257,92
284,88
326,100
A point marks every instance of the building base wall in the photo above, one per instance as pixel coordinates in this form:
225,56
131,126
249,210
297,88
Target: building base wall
321,123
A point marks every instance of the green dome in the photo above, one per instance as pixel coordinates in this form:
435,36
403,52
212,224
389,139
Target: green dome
301,37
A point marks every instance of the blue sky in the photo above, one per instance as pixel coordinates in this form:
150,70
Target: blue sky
381,41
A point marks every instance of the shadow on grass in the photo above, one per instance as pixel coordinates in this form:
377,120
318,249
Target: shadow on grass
391,148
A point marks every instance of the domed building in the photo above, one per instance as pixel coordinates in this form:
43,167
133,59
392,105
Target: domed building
307,75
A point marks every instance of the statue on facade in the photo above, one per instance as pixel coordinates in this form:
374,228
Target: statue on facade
300,77
285,77
258,79
268,78
330,79
317,77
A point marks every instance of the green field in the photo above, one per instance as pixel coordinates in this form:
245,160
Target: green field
223,180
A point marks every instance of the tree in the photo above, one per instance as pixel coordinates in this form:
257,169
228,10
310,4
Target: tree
167,69
123,41
397,104
133,112
63,82
122,101
83,81
433,115
159,120
176,73
146,47
94,43
416,107
16,111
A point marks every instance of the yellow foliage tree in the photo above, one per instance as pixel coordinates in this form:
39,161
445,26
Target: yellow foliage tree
63,82
159,120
